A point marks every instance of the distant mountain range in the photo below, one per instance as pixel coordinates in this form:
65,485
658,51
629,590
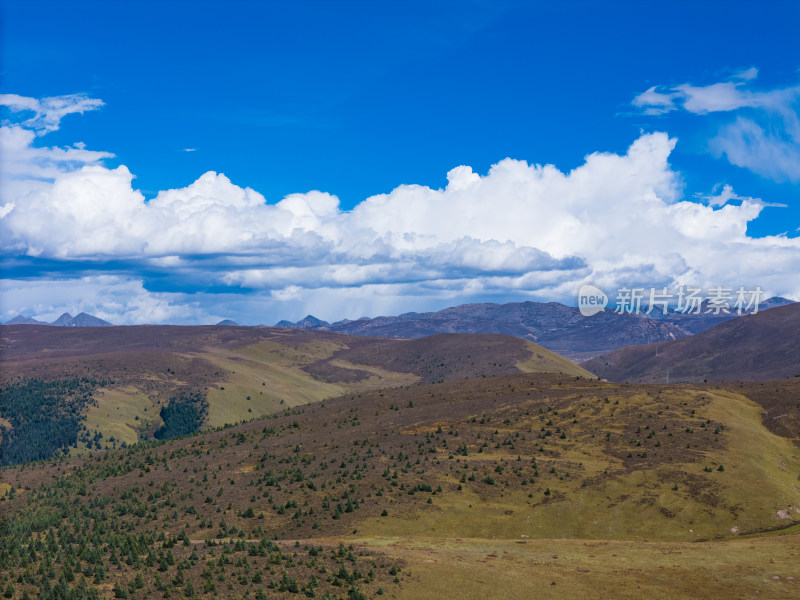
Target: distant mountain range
66,320
555,326
754,347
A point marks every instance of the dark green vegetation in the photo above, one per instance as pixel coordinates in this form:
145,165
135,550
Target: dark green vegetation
43,558
183,415
45,417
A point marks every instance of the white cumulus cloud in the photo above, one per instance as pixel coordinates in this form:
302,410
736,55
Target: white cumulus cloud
48,112
216,249
25,166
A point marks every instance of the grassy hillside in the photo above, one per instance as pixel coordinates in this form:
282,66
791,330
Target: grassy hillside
538,485
475,569
544,361
241,372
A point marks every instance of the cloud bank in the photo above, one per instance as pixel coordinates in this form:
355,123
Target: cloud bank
88,240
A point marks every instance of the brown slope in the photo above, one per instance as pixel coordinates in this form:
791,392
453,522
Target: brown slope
448,357
436,358
238,373
753,347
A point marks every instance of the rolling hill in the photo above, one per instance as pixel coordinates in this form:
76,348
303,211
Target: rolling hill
753,347
125,384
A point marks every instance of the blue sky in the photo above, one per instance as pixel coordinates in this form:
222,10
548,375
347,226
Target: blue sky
343,121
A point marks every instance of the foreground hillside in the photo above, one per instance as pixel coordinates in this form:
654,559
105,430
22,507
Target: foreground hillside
538,485
753,347
80,389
